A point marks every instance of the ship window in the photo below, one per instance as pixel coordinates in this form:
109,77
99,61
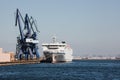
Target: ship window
53,47
60,56
61,45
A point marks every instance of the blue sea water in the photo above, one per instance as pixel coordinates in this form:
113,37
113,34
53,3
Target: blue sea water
76,70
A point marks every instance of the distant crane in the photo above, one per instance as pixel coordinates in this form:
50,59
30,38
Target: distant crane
27,42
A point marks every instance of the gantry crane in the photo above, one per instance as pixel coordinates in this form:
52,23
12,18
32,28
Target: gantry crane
27,42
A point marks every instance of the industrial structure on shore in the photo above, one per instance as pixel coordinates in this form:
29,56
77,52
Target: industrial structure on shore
27,42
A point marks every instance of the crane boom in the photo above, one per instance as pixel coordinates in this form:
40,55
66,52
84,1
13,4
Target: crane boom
17,21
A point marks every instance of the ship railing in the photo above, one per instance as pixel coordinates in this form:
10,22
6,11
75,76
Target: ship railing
56,51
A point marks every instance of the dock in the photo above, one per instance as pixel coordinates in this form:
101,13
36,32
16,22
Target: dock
16,62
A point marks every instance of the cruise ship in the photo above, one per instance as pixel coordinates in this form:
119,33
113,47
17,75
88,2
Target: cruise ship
57,51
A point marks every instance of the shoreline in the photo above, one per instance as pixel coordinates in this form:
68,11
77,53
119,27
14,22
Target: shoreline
96,59
17,62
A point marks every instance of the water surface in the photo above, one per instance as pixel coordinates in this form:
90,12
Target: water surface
76,70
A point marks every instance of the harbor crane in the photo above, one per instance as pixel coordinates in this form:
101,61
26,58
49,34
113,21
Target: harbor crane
27,42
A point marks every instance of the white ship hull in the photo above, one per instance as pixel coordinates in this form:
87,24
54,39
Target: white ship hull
57,57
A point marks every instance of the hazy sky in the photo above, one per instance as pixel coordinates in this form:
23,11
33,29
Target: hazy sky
91,27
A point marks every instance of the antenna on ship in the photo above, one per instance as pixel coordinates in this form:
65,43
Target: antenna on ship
54,39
